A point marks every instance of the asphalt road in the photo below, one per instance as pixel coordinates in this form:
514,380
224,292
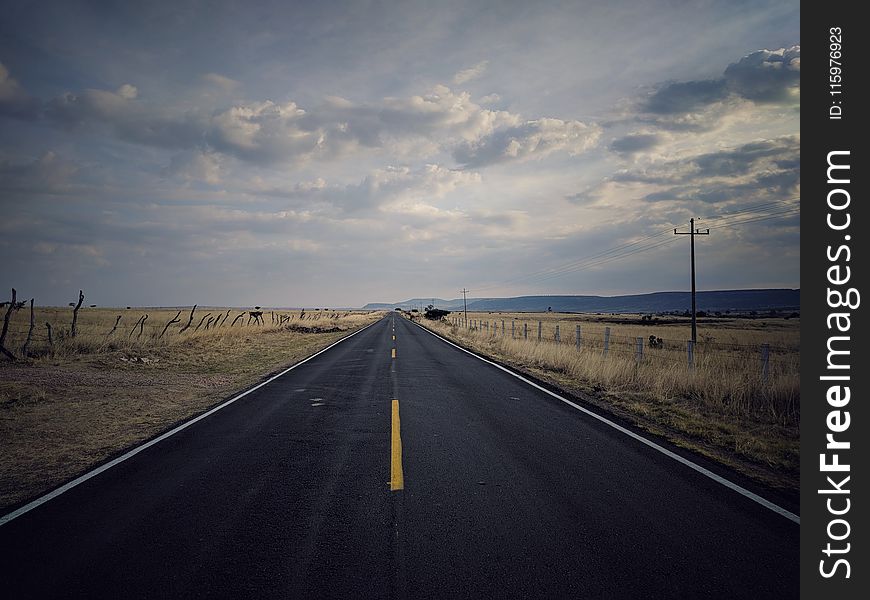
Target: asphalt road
478,486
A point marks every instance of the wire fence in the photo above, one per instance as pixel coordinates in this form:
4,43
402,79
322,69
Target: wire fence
764,360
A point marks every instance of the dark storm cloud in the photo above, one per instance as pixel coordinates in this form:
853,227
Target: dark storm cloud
763,77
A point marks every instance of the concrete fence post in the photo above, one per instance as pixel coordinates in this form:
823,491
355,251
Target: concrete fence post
690,355
639,352
606,340
577,336
558,336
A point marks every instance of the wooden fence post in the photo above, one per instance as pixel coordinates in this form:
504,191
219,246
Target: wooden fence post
558,335
765,362
29,331
539,331
72,330
606,340
9,310
525,331
690,355
189,320
577,336
174,319
638,356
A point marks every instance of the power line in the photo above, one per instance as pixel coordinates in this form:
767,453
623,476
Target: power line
692,233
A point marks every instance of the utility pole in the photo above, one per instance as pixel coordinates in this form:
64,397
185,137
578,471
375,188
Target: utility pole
692,233
465,303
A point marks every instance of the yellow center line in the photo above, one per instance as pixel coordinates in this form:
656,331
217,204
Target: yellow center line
397,478
393,353
394,338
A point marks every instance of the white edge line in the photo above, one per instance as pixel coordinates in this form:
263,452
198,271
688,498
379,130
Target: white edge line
717,478
131,453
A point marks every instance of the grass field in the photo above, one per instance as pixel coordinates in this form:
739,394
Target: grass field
725,407
72,404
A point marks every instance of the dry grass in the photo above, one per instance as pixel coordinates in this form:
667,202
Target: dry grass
724,409
75,404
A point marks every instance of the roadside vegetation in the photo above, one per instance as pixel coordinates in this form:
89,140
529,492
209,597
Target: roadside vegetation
74,401
729,406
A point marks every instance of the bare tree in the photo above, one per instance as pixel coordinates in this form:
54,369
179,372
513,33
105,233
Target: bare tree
8,316
29,331
72,329
189,320
175,319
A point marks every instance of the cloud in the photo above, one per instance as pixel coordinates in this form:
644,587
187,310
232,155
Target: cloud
762,77
128,92
470,73
381,189
263,132
270,132
767,76
221,81
14,101
48,174
685,97
196,166
756,158
638,142
766,170
529,140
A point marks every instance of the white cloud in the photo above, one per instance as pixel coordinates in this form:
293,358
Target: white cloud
529,140
221,81
128,91
767,76
470,73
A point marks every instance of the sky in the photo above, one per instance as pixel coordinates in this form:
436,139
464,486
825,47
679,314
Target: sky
340,153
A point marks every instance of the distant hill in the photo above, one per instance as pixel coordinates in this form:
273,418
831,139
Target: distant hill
656,302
